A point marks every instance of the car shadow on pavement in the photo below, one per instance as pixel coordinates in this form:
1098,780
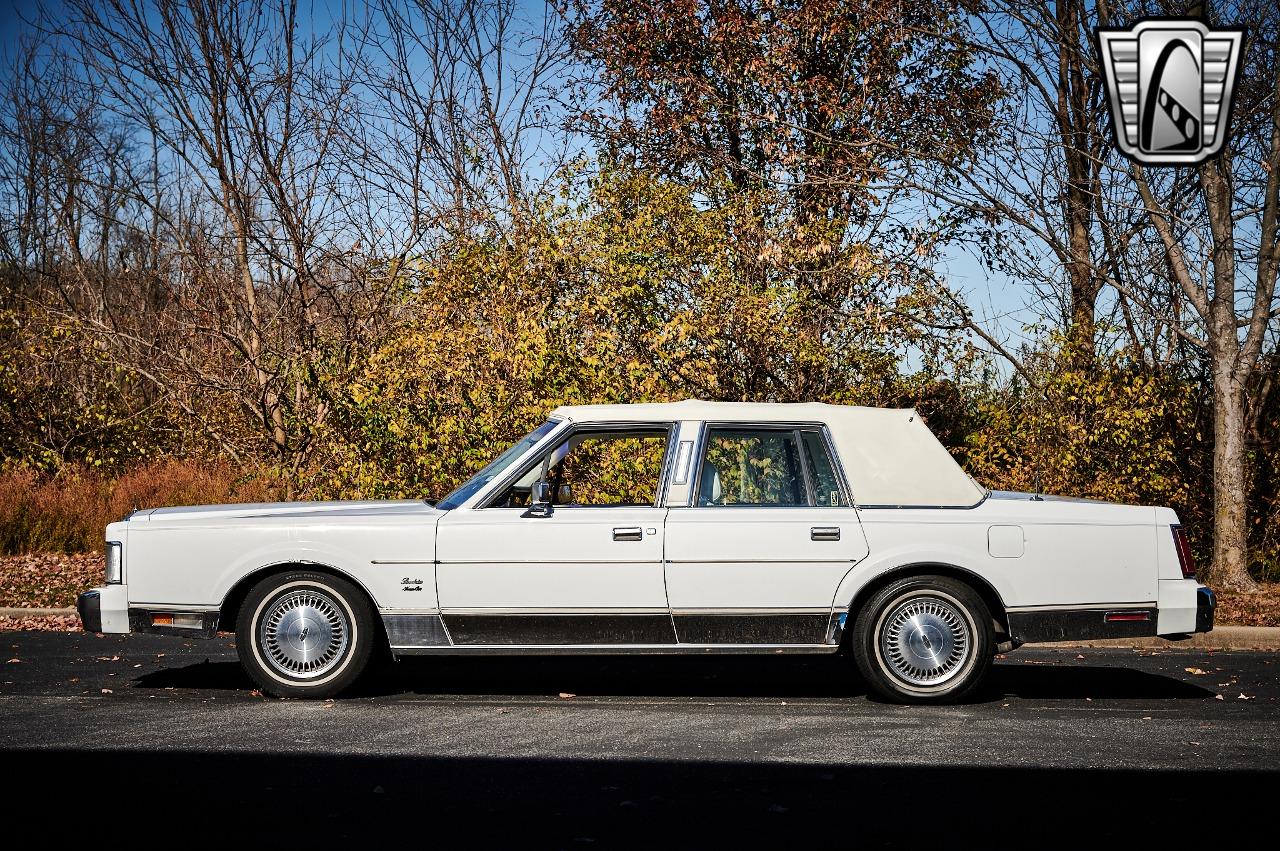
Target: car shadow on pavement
219,676
1081,681
250,798
696,677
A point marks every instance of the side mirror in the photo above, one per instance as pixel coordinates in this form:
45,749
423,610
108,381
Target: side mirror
539,500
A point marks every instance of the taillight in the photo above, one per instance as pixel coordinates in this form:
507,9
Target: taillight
1185,560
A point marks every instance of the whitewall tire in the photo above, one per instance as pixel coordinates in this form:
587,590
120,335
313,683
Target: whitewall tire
923,639
305,634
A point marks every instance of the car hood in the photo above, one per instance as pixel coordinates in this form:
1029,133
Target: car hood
301,511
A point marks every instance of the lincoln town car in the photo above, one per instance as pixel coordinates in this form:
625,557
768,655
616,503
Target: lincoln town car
674,528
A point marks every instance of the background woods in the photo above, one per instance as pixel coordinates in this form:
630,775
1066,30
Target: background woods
259,250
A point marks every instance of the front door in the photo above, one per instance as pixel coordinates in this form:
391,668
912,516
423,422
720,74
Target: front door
588,572
758,554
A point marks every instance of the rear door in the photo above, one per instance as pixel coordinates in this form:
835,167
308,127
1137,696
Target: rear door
769,532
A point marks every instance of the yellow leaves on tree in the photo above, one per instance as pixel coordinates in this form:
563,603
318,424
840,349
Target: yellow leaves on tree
635,292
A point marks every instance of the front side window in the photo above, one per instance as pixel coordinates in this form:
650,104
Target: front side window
751,467
597,468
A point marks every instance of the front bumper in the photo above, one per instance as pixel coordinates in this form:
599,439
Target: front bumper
105,609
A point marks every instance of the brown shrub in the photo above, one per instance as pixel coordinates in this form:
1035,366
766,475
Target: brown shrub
66,512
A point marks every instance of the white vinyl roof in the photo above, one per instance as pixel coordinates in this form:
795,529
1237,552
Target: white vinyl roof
889,455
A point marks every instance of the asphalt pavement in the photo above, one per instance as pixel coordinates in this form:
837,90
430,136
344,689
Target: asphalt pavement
120,739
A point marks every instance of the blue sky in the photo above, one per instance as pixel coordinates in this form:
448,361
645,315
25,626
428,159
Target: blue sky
11,12
1004,302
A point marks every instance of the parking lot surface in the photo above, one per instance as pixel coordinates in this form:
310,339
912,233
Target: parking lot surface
1061,746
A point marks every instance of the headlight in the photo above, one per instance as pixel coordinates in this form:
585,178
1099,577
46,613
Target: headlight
115,563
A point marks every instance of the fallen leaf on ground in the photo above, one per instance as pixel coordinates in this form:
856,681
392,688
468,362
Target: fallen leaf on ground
13,662
1196,671
1218,697
564,695
107,691
1244,696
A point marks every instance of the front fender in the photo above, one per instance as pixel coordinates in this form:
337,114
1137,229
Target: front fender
379,586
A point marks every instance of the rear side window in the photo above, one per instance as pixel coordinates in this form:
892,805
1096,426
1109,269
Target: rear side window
825,484
751,467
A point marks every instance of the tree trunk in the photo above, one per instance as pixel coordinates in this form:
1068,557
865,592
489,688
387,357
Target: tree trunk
1229,568
1076,119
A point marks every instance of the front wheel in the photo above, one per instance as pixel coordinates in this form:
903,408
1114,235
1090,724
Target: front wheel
923,639
304,634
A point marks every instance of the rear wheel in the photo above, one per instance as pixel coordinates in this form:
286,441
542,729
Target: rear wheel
923,639
304,634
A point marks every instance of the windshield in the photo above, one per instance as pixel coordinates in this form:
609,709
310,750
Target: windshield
496,467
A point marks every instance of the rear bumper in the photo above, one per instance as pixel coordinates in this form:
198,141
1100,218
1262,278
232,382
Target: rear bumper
1184,607
104,609
1037,626
1206,603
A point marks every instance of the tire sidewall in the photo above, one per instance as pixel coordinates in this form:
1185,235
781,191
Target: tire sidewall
866,640
359,645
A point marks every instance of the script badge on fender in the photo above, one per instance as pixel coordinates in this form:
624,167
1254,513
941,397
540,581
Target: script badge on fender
1170,83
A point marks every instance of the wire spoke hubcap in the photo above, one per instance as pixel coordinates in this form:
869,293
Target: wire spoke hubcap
304,634
925,641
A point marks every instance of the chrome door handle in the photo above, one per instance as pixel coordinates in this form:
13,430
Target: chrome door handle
824,533
628,533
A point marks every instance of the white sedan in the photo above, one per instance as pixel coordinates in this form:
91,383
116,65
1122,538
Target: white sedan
688,527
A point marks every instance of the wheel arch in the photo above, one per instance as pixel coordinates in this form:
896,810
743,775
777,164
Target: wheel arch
229,610
984,589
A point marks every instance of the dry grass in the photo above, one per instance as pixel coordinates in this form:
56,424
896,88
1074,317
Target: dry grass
67,512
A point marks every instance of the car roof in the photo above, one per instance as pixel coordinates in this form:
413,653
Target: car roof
695,409
890,456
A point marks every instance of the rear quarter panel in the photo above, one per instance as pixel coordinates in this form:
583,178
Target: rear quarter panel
1074,553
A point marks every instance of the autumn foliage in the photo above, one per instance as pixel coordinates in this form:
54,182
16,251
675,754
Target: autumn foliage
361,261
